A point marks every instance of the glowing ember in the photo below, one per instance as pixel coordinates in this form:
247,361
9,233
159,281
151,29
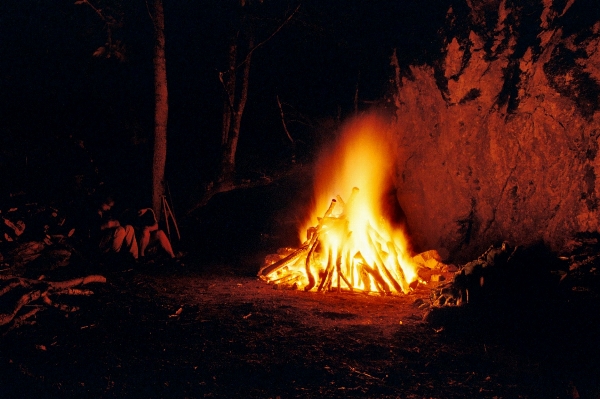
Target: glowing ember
352,246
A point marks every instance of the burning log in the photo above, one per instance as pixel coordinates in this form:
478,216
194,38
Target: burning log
382,286
392,248
334,253
381,266
312,236
351,244
311,278
289,279
327,273
290,259
345,281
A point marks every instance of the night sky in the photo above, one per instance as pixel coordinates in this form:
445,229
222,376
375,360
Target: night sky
55,95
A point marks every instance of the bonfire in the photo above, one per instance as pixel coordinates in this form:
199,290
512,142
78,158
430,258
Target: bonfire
349,244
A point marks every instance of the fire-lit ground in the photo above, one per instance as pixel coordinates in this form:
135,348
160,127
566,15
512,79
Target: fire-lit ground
216,333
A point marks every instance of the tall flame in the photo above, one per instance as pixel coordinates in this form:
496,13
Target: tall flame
360,158
351,246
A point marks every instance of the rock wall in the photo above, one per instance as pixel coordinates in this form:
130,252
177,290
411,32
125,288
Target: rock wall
498,139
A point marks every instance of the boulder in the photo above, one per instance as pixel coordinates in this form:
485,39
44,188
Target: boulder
498,139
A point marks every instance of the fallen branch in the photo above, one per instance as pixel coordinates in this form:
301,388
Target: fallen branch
78,281
23,300
23,319
12,283
74,291
40,290
61,306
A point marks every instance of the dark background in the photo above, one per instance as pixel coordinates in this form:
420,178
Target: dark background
66,113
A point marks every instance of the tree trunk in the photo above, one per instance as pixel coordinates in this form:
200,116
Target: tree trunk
161,111
233,112
229,86
236,97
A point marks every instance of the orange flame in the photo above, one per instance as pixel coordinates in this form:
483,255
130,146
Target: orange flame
352,246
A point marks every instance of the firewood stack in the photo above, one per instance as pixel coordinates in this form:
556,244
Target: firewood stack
473,278
334,257
34,233
22,298
35,239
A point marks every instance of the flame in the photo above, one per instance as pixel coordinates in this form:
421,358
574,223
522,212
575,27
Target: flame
351,246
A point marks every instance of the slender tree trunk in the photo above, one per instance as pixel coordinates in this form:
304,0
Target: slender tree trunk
161,111
233,112
235,96
229,85
239,112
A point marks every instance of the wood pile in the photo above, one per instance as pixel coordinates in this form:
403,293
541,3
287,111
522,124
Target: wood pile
333,259
467,283
329,259
36,239
31,232
22,298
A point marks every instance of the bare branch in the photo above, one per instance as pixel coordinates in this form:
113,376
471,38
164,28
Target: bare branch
288,19
96,10
283,121
230,102
150,13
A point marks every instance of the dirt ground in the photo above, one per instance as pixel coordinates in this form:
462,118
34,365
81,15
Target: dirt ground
211,328
214,333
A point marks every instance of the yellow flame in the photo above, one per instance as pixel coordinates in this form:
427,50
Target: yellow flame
362,157
356,244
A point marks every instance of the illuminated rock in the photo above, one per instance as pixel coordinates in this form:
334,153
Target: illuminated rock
499,140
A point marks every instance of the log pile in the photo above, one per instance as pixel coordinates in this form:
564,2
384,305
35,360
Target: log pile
334,257
22,298
33,232
467,284
36,239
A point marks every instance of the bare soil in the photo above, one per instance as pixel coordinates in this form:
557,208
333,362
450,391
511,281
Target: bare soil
215,333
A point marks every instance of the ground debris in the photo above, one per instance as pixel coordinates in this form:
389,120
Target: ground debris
18,294
35,238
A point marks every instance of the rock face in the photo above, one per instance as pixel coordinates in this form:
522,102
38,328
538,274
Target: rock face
498,140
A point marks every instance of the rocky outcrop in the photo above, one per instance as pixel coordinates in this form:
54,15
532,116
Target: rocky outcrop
498,140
